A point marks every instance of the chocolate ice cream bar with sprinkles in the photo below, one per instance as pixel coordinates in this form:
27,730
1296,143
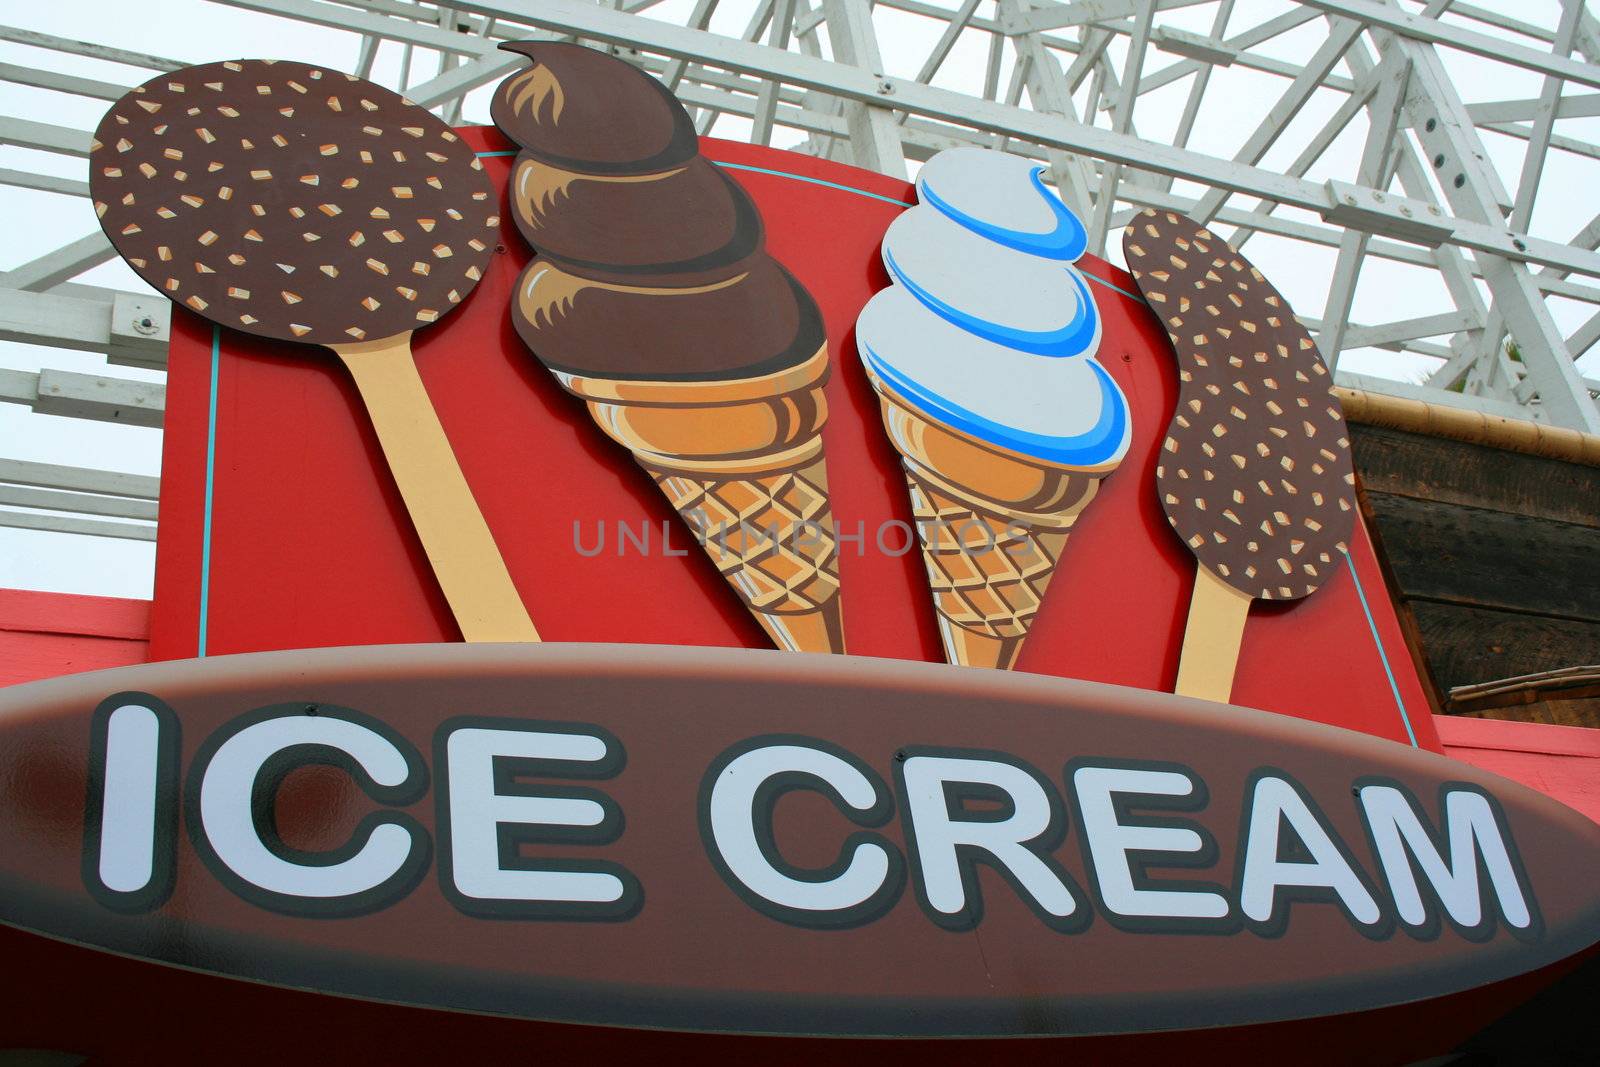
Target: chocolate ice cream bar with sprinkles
1255,471
302,204
292,202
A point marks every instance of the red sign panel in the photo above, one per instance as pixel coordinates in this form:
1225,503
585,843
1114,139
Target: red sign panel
281,527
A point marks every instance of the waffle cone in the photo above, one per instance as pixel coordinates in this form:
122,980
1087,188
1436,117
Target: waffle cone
992,524
742,461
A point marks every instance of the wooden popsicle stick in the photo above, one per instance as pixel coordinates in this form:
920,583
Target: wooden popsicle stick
465,560
1211,639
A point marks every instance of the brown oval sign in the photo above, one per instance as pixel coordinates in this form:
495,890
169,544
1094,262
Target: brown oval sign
758,842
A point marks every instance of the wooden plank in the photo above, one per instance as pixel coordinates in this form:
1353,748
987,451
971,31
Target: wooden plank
1481,558
94,396
1454,472
81,503
1583,712
86,396
87,325
1412,633
1467,645
27,520
48,183
80,479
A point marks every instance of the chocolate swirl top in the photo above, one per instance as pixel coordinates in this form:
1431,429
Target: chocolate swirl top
754,323
292,201
1255,471
650,260
582,110
691,221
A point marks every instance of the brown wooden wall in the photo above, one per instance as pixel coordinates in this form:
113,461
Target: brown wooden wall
1494,558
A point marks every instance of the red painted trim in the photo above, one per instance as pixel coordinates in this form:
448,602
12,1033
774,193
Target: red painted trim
1562,762
1507,736
29,611
46,635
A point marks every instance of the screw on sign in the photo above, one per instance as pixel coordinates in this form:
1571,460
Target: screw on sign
306,205
1255,471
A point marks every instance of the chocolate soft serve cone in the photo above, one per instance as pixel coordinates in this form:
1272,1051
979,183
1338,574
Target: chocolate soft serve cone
982,353
653,300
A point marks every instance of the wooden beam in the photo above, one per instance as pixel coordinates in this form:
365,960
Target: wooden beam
130,531
79,479
116,507
1478,558
1468,645
1422,467
86,396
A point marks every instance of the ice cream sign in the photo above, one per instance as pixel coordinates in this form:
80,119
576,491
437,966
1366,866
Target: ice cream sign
1463,869
595,320
560,832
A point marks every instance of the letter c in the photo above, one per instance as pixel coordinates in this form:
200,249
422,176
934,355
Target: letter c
737,803
232,789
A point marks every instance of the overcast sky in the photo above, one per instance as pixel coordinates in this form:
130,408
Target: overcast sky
197,31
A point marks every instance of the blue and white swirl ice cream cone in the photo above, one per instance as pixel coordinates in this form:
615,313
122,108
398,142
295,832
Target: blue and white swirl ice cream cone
982,353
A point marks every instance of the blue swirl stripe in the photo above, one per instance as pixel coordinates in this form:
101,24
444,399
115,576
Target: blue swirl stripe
1066,240
1093,447
1073,339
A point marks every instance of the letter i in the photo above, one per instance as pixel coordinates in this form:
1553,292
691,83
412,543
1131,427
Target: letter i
131,814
